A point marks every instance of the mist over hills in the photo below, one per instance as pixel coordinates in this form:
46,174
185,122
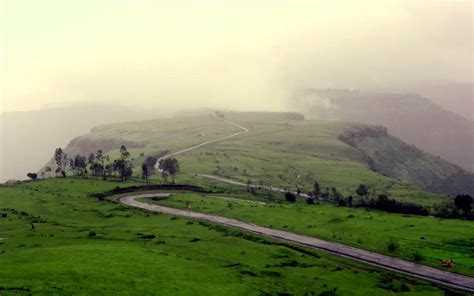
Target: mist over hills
411,117
457,97
28,139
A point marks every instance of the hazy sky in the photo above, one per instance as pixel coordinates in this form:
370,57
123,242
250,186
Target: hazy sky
240,54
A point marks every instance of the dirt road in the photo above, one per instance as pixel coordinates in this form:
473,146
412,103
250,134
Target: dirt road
242,130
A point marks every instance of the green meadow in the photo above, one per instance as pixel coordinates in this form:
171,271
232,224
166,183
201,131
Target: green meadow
432,238
277,150
58,239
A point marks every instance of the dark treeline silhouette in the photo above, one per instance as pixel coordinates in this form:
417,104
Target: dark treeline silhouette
459,207
383,203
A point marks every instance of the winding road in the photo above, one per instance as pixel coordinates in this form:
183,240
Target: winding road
385,262
242,130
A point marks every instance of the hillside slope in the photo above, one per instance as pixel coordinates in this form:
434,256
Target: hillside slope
280,149
414,119
394,158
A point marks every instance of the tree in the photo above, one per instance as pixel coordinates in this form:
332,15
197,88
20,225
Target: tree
349,200
124,154
169,168
362,190
101,165
463,202
316,190
91,158
61,161
145,172
150,162
123,165
32,176
290,197
79,165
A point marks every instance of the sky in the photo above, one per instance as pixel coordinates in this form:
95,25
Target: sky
242,55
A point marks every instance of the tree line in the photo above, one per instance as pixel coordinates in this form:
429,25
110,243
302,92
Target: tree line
102,166
458,207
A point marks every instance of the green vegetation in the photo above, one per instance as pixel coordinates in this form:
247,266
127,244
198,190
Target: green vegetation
295,154
392,234
394,158
60,240
280,149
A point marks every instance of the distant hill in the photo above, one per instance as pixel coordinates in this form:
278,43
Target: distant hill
28,139
411,117
457,97
282,149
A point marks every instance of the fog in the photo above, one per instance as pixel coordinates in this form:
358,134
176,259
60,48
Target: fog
242,55
136,59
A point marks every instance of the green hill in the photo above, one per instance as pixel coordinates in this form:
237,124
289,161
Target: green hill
280,149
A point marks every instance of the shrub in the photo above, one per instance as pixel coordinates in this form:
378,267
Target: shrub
92,233
417,256
392,246
290,197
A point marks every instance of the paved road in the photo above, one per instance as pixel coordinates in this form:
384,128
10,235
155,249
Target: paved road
382,261
233,182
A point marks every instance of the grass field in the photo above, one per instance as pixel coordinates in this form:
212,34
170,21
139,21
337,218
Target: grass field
295,154
434,239
83,246
277,150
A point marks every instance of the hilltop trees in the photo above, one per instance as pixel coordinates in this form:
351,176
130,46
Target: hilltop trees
98,165
78,165
148,167
169,168
61,161
123,165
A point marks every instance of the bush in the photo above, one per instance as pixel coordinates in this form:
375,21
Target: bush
392,246
417,256
92,233
290,197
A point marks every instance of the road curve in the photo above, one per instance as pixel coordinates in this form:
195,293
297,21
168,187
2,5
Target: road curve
394,264
243,129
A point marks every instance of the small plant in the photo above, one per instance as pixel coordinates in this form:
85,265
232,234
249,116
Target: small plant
392,246
417,256
329,292
92,233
